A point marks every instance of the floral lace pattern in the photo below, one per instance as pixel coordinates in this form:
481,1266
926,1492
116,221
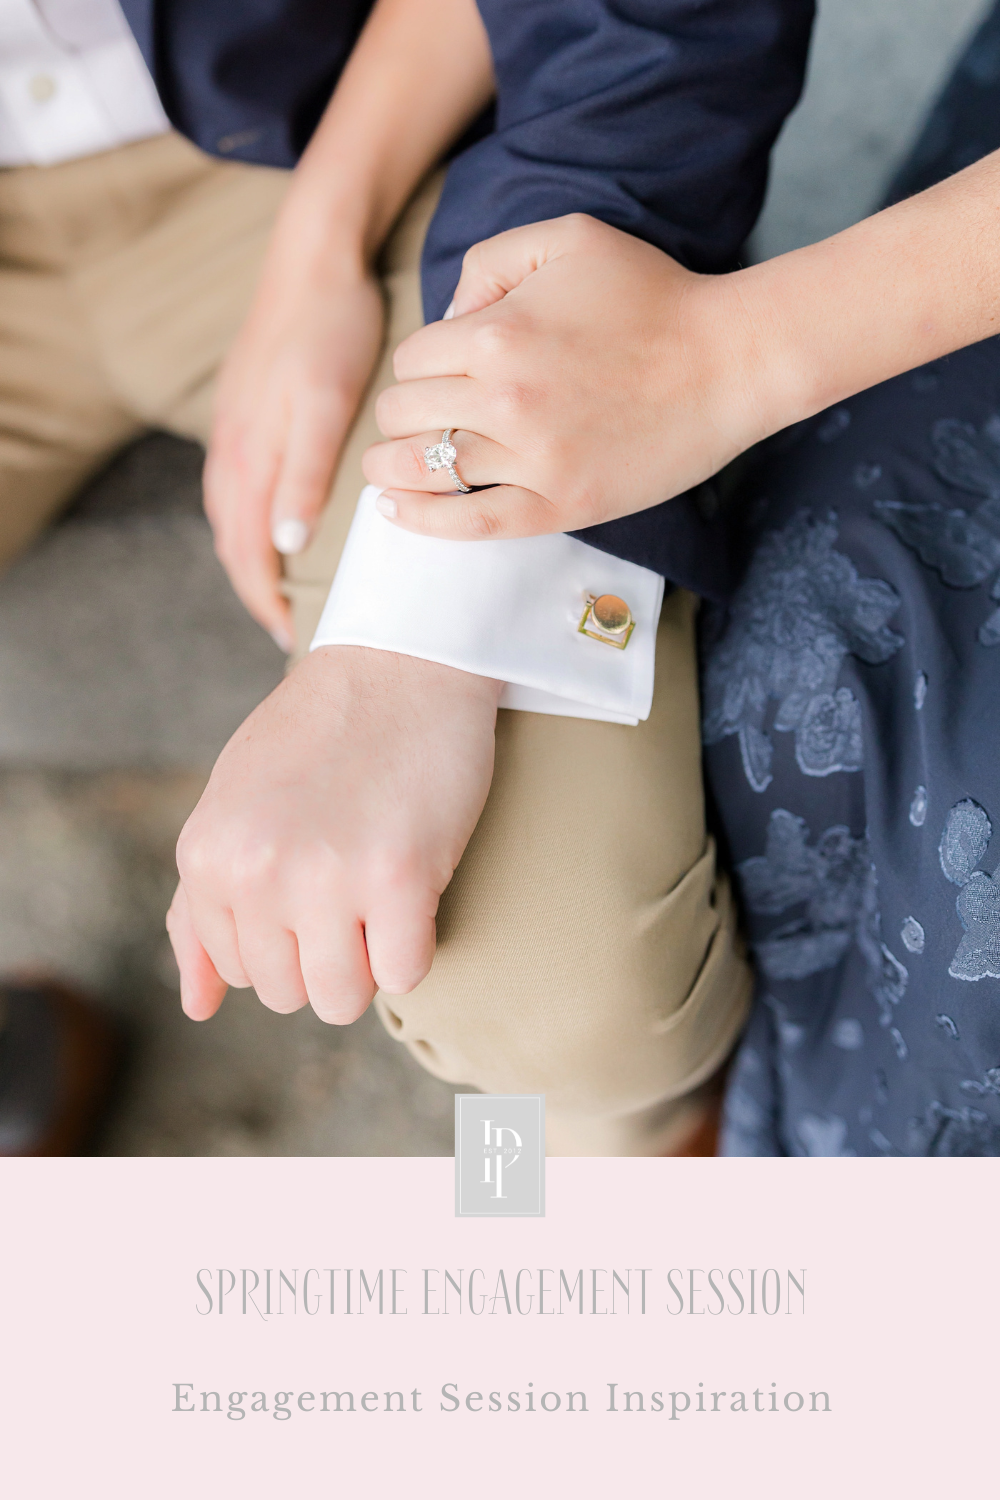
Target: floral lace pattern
848,1050
966,837
834,880
800,611
945,1131
963,546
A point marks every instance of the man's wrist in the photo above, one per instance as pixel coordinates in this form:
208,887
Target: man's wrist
371,666
339,208
325,233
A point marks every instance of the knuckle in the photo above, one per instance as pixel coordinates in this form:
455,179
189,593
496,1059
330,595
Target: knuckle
582,228
193,853
253,863
412,465
473,258
232,857
512,399
493,337
394,872
482,521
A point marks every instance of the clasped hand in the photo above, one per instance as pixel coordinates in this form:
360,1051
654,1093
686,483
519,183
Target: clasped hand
588,376
313,864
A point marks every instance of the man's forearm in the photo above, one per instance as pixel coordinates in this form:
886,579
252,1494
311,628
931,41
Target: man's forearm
904,287
419,74
654,117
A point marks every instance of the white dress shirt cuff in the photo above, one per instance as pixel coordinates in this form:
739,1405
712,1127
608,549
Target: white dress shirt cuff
506,609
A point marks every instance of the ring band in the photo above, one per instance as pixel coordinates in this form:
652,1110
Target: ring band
442,455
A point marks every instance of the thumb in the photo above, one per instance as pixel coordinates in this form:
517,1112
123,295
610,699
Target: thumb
495,267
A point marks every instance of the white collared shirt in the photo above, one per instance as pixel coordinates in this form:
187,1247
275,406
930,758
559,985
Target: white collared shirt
72,82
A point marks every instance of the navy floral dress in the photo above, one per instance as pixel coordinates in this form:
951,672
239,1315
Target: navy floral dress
851,700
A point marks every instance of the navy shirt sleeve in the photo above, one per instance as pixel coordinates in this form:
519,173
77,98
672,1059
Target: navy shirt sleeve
657,116
246,79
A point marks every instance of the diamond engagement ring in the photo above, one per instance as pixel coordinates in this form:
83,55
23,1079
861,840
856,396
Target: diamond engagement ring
442,455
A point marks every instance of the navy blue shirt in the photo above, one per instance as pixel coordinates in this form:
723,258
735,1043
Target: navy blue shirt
656,116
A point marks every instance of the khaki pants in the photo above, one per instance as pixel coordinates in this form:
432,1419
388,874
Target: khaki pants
586,945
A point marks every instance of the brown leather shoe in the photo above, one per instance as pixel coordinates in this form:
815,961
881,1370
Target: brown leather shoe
57,1066
704,1139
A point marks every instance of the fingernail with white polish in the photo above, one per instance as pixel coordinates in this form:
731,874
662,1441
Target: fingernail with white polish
449,311
282,640
387,507
289,536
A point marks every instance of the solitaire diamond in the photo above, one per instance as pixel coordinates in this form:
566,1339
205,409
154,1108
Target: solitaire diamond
441,455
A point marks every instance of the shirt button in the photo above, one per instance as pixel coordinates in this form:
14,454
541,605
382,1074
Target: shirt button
41,88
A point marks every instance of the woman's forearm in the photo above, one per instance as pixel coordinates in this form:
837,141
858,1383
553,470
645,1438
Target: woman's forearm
419,74
906,286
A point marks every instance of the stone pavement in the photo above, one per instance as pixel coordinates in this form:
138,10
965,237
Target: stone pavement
874,68
125,663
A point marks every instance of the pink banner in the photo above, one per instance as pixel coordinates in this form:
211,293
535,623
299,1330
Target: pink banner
312,1327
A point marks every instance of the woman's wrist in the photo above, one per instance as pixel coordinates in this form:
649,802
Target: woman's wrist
798,346
774,378
747,378
906,286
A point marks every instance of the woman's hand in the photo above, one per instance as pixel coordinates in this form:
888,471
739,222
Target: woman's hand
587,376
288,393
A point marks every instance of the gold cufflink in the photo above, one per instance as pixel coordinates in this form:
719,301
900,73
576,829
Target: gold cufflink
612,618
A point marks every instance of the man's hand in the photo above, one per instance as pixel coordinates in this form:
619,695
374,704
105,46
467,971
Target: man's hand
288,393
588,376
292,384
334,819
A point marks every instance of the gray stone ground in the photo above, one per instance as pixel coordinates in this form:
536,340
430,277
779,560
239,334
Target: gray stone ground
125,663
874,67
